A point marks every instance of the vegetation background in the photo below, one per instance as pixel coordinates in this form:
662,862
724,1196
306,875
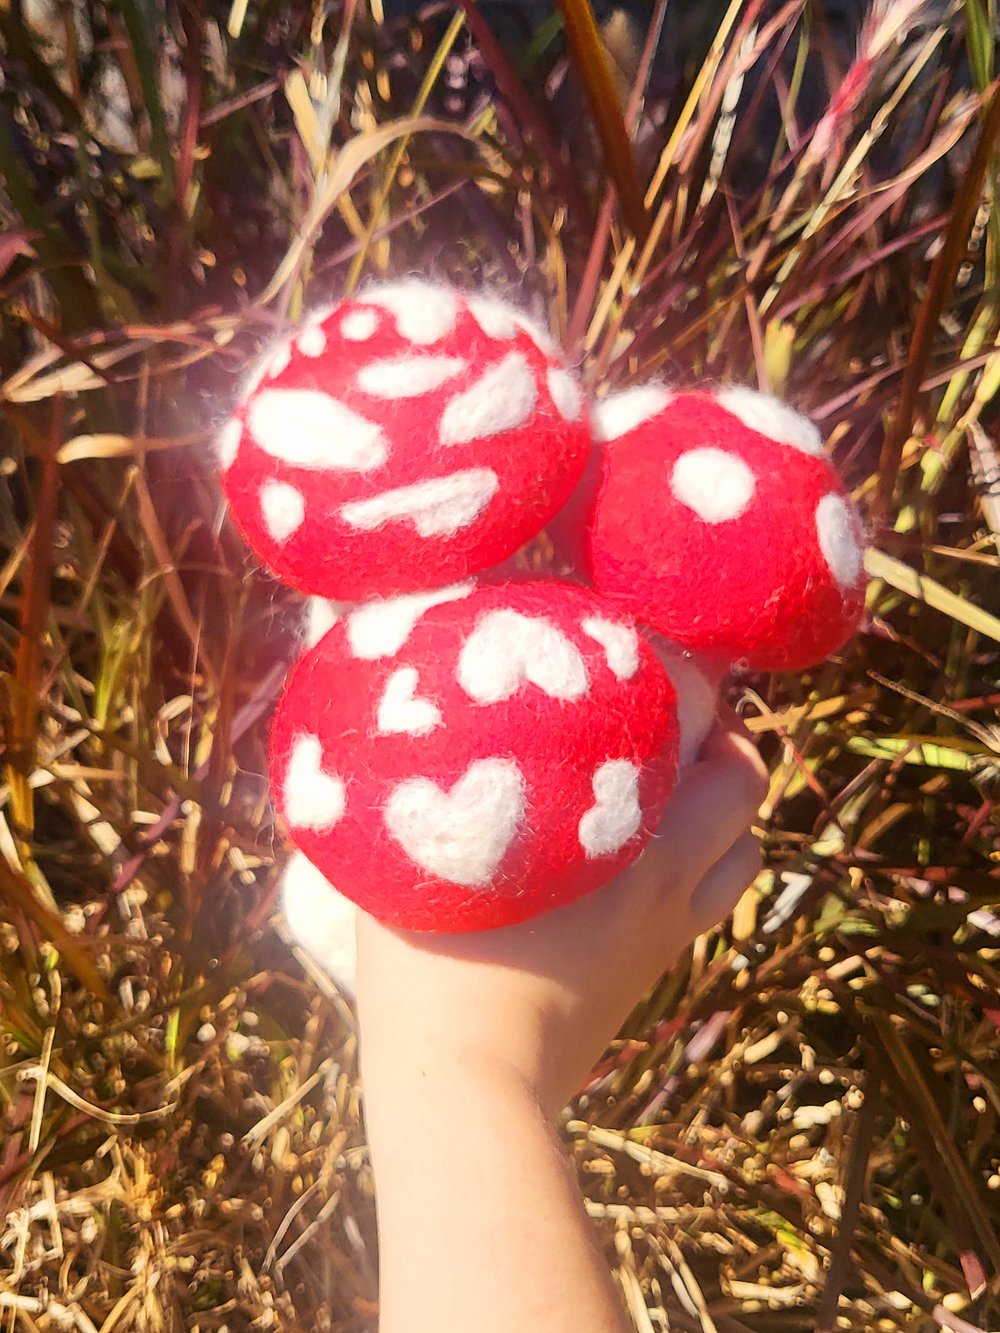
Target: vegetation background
799,1129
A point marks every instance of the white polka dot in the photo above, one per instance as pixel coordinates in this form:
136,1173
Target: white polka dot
463,834
310,429
620,413
771,417
716,484
314,799
502,399
540,336
379,629
620,644
228,443
282,508
359,325
494,318
401,710
321,921
423,312
409,376
320,617
839,539
311,341
565,393
436,508
507,649
616,814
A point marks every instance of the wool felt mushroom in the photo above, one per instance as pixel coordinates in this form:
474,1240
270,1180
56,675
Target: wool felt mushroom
720,522
403,439
474,757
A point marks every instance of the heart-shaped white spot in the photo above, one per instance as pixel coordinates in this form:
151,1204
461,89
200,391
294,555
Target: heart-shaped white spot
308,428
620,644
401,709
379,629
463,834
616,815
436,508
507,648
314,799
504,397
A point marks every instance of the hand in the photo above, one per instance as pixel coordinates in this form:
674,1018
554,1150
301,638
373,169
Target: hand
540,1001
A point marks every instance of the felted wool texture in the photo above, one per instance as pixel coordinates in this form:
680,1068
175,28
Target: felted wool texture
476,760
727,542
402,440
321,921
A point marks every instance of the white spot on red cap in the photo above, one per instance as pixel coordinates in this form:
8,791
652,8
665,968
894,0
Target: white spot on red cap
504,397
282,508
311,341
310,429
839,540
565,392
402,710
716,484
542,339
380,629
409,376
321,616
463,834
616,815
771,417
493,317
439,507
621,412
507,648
423,312
620,644
314,799
359,325
228,443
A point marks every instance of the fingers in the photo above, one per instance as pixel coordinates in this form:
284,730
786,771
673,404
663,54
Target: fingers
721,888
712,806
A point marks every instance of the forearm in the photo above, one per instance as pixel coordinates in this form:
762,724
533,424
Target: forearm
481,1224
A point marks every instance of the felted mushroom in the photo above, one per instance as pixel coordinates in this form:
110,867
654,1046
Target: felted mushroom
472,757
403,439
320,921
720,522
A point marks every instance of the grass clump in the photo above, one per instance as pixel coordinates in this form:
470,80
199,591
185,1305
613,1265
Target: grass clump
798,1129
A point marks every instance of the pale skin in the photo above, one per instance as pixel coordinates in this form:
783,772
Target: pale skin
472,1044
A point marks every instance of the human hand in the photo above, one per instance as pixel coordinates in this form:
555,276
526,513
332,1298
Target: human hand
539,1001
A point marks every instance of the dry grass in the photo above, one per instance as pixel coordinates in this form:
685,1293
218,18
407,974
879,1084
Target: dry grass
799,1129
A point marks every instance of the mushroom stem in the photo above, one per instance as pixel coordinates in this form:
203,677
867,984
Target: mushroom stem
697,681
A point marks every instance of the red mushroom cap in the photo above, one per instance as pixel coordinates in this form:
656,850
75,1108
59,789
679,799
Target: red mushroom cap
473,757
406,438
720,522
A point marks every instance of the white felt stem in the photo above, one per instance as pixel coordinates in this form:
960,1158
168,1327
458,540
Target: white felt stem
697,681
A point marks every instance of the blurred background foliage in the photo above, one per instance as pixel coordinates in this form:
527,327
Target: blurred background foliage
798,1129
